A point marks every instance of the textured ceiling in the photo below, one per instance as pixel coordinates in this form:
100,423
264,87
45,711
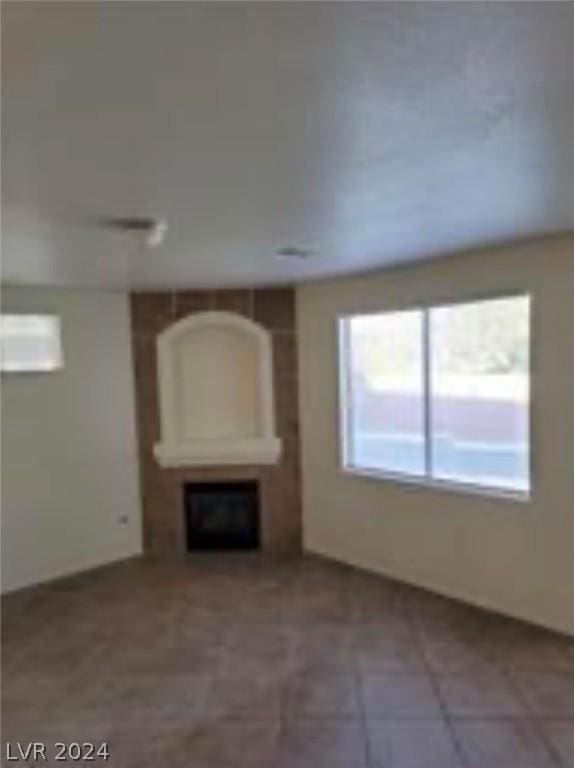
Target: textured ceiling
369,133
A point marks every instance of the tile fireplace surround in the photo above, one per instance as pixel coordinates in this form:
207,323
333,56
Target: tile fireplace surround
162,489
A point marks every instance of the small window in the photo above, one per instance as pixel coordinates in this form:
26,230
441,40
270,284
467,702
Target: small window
30,343
440,394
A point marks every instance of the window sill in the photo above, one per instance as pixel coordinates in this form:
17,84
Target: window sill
422,483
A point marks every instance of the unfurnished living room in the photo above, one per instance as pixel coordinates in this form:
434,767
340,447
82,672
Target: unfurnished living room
287,355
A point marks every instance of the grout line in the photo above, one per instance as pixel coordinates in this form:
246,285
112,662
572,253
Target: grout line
358,683
534,720
507,675
432,676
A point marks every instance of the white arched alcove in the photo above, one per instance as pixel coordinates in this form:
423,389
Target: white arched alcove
215,374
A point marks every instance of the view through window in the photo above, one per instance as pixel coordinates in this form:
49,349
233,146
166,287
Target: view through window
441,392
30,343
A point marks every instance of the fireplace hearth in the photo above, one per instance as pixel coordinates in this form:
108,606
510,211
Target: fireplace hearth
221,515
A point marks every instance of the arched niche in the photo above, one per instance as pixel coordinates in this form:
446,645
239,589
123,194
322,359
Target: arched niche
215,372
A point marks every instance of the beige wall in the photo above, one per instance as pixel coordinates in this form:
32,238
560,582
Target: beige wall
69,457
512,556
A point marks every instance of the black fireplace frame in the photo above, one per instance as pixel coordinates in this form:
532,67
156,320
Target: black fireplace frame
235,522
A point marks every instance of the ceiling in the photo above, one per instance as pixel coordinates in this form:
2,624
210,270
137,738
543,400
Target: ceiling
368,133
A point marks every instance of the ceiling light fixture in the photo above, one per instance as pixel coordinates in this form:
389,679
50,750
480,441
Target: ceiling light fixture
156,233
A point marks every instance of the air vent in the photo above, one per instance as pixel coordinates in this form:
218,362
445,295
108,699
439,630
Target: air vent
293,252
152,231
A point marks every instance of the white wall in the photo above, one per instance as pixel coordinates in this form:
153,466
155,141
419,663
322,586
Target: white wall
514,557
69,458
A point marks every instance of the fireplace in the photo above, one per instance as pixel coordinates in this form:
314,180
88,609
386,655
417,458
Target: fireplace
221,515
249,430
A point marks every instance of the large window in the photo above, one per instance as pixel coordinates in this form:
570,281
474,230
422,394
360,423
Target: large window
440,394
30,343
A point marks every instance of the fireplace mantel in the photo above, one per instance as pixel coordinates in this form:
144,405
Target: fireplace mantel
205,453
215,375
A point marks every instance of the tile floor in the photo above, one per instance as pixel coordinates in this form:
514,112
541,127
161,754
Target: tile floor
235,661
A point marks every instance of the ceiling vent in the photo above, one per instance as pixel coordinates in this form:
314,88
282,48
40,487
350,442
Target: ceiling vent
292,252
152,231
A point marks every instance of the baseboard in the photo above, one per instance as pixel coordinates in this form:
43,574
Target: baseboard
75,571
515,612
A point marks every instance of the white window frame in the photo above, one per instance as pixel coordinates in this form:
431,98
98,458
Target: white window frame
427,480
